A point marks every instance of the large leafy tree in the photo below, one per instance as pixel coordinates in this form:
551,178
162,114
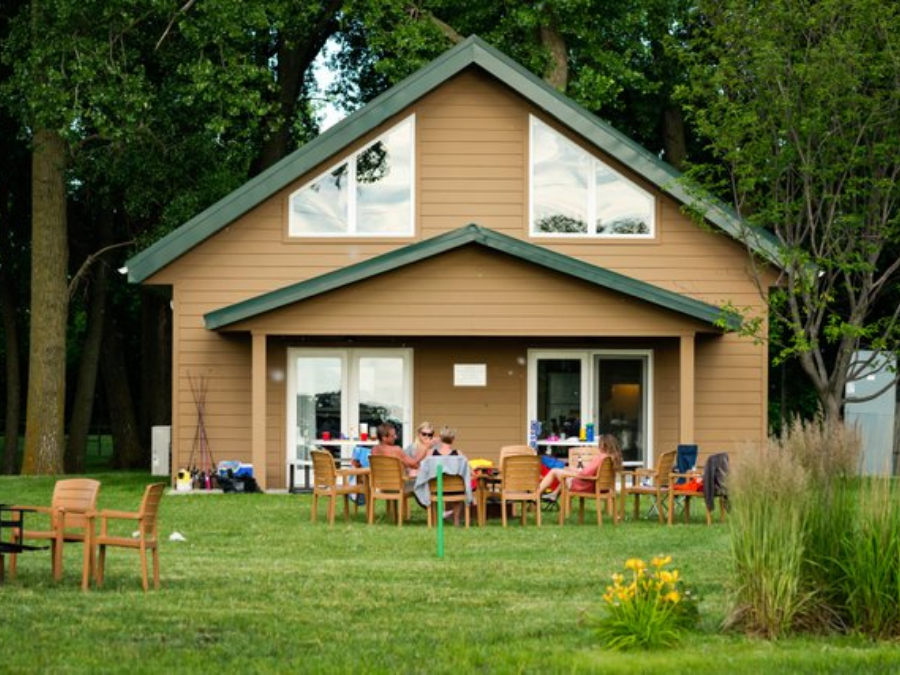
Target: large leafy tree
138,114
799,102
609,56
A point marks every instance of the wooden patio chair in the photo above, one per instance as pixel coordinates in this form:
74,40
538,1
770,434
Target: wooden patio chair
388,483
71,514
652,482
510,450
454,493
145,543
710,488
520,478
331,482
603,492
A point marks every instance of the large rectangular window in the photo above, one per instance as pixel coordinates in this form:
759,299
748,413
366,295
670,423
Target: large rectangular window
575,194
369,194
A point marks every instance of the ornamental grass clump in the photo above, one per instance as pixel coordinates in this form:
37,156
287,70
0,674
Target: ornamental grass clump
646,608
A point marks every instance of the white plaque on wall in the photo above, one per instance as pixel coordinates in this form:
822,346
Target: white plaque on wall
469,375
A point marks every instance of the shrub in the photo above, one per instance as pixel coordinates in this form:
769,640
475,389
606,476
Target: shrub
768,490
814,546
868,583
646,609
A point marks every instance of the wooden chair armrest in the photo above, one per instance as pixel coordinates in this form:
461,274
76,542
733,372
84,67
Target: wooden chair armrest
119,515
686,474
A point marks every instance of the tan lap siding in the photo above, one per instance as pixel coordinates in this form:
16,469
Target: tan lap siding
472,291
485,417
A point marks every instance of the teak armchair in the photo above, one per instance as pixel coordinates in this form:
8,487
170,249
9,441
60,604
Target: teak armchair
603,492
147,540
331,482
71,512
387,482
657,484
454,489
520,478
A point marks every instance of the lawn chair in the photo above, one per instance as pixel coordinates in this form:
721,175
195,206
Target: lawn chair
520,479
387,482
454,492
71,514
651,482
603,492
331,482
145,543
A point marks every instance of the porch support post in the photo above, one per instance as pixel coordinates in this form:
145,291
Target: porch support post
686,392
258,409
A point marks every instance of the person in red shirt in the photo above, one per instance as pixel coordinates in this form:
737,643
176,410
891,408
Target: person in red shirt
609,447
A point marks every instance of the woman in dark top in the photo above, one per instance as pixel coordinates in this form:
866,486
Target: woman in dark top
446,449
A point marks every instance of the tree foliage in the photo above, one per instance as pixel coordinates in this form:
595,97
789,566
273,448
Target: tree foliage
799,103
609,56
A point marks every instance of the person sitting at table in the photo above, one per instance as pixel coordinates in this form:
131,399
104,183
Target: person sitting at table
387,439
446,449
424,442
608,446
387,445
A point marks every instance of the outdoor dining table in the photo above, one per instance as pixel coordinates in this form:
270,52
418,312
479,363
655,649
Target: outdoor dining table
16,520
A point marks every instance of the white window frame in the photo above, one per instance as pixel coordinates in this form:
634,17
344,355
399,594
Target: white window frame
588,359
352,211
592,194
349,388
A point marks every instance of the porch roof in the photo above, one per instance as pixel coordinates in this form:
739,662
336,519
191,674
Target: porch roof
477,235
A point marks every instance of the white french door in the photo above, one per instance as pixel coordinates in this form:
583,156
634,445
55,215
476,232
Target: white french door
335,393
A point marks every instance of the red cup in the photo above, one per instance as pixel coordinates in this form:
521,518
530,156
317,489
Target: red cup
364,436
326,435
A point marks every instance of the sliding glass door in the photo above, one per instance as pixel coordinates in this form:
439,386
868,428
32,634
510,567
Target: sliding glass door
621,401
609,389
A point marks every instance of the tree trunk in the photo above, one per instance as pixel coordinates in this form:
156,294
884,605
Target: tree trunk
128,453
156,360
44,423
557,74
85,391
295,55
13,374
674,142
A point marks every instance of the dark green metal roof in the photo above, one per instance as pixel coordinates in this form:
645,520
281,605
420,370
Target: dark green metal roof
471,52
471,234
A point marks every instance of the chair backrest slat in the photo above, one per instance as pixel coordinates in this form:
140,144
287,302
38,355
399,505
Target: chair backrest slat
75,496
521,473
324,473
664,467
387,473
150,506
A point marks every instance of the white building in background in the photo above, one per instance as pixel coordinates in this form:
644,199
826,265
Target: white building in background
876,417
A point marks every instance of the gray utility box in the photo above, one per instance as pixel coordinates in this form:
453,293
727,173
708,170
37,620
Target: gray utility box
160,450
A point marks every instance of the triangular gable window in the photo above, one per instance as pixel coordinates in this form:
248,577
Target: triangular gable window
370,194
575,194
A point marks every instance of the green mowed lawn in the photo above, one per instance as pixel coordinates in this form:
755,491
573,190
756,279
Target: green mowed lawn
256,587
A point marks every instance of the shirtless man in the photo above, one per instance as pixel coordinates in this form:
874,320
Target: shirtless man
387,445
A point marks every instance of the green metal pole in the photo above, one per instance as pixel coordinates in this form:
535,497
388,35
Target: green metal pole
439,508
